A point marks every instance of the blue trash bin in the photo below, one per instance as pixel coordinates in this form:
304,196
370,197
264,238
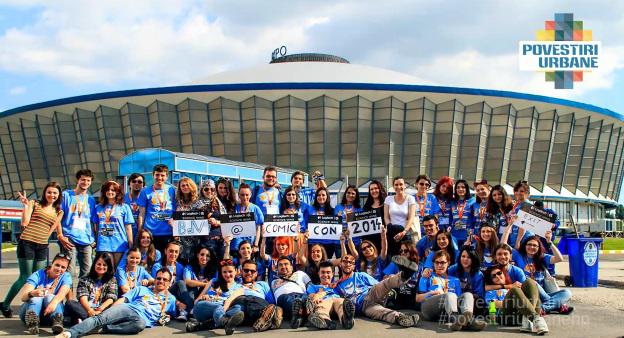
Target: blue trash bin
583,256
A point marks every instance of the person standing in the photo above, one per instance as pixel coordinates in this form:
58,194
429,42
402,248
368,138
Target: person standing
399,215
427,204
113,222
156,206
39,220
77,239
478,210
307,194
268,196
460,211
131,198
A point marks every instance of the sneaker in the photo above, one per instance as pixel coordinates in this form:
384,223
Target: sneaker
476,325
32,322
565,309
277,319
405,320
527,325
6,312
65,334
457,321
297,313
182,316
232,322
540,326
406,266
331,325
57,323
415,318
348,316
265,320
193,325
317,322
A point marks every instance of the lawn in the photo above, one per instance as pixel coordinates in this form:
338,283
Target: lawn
613,244
7,245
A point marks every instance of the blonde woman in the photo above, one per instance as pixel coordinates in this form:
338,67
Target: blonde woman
185,197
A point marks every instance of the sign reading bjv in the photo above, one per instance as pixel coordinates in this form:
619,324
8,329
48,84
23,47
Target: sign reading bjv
190,223
563,50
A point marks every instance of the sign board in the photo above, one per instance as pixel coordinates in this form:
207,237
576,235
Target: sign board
280,225
324,227
238,225
190,223
534,219
364,223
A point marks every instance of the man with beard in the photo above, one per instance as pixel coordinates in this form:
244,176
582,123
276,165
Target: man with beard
290,291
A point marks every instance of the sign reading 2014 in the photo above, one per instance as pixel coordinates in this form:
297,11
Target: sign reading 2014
364,223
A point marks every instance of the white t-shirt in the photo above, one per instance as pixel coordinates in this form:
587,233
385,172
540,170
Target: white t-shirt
297,283
398,212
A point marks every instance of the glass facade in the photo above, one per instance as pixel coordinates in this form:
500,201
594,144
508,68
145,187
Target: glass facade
355,137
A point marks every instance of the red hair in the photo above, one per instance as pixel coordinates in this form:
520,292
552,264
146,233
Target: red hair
449,193
282,240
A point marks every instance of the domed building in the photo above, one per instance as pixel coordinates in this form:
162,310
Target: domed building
352,122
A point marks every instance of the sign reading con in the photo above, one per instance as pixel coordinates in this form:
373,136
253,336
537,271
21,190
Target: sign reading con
535,220
364,223
190,223
238,225
280,225
324,227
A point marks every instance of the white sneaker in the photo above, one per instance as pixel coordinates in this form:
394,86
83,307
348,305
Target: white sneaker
182,316
540,326
65,334
527,325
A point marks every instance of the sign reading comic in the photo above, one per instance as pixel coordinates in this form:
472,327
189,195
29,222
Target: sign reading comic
190,223
238,225
535,220
280,225
325,227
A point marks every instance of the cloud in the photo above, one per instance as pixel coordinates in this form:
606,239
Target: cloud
19,90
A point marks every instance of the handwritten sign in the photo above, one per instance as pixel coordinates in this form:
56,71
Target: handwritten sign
238,225
534,219
190,223
364,223
280,225
324,227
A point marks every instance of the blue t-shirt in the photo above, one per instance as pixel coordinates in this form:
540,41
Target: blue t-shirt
435,282
218,296
40,279
135,276
159,206
258,217
430,206
379,264
329,291
148,305
268,200
306,195
474,283
514,233
134,206
343,211
112,235
124,259
516,274
76,221
272,267
444,215
424,246
190,274
260,289
461,225
495,295
303,212
356,288
478,214
177,272
321,211
527,265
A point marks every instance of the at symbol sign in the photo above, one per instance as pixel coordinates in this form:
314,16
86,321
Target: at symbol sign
237,229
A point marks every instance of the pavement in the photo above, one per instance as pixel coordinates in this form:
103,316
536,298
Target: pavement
597,314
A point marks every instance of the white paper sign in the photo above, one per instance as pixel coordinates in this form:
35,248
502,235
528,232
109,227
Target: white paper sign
280,225
364,223
325,227
190,223
238,225
534,219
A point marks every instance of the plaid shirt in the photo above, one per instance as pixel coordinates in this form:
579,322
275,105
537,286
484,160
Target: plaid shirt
86,287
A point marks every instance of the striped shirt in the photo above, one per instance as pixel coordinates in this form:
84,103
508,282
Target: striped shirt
38,230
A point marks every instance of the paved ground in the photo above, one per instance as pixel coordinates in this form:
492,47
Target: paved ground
599,313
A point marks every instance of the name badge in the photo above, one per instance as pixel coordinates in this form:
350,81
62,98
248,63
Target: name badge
459,225
79,224
444,221
272,209
502,229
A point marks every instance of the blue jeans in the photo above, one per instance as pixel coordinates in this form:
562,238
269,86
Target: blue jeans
38,305
204,310
82,254
286,302
184,294
119,319
553,301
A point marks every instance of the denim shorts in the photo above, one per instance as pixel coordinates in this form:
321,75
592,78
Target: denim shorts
32,251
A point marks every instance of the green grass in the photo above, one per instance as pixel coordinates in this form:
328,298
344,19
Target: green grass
7,245
613,244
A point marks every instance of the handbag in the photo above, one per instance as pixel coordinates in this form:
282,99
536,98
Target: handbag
550,283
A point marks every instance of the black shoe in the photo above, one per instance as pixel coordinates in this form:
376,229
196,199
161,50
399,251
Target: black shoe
193,325
406,266
32,322
348,317
57,323
231,322
331,325
297,313
6,312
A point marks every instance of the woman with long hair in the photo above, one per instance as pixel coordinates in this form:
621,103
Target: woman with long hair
478,210
499,205
149,254
113,222
132,274
96,292
214,301
39,220
443,241
370,260
375,202
245,206
210,203
467,270
404,297
197,275
460,211
322,207
444,194
310,257
226,194
186,198
399,215
291,205
349,205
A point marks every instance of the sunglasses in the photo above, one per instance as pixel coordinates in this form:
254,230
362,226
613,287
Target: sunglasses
162,279
496,274
440,262
424,184
348,262
366,247
249,271
404,251
208,189
137,181
226,262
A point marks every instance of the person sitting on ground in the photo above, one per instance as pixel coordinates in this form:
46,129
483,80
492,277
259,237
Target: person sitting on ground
96,292
325,301
404,297
132,274
178,287
372,261
43,296
289,289
138,309
368,294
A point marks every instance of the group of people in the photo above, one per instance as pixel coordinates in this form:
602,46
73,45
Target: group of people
451,256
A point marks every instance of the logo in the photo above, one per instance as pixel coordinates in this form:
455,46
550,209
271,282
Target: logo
590,253
563,51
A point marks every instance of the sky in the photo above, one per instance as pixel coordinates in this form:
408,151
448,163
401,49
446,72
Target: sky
57,49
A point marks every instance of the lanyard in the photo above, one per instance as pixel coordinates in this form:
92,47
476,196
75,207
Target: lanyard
54,284
445,285
291,210
442,206
161,201
163,306
108,212
269,197
131,277
460,209
512,213
321,211
422,204
242,209
482,209
172,268
98,292
80,206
